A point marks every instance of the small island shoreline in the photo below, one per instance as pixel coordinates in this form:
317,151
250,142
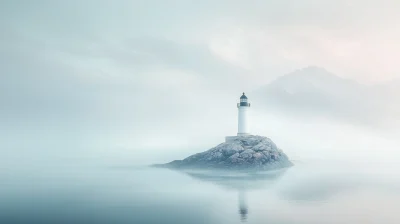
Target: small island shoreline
241,153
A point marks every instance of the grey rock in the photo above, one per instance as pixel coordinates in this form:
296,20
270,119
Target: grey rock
243,153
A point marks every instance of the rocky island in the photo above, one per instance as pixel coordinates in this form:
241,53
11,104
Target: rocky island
241,152
249,152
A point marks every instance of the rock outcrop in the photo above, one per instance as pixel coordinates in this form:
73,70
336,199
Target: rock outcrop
240,153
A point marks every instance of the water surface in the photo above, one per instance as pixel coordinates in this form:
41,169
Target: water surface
306,193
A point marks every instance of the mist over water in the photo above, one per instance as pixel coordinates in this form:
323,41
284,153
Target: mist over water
83,192
342,173
93,92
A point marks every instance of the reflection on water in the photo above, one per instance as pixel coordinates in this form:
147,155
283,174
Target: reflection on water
243,210
240,181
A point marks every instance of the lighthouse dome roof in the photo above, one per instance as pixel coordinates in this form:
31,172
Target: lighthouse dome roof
243,96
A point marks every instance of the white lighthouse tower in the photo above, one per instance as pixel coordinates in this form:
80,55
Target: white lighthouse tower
243,119
243,116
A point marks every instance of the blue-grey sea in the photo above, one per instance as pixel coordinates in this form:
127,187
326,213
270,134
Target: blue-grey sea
309,192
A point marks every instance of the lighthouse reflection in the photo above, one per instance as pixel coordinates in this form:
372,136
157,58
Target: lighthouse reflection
243,210
241,182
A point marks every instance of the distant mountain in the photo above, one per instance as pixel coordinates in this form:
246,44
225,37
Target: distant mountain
313,91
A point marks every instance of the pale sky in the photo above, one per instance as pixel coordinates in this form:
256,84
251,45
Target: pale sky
357,39
153,65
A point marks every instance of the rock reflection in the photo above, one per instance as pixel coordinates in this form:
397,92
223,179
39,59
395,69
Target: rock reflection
239,181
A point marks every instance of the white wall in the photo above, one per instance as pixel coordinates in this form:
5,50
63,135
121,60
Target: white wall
243,120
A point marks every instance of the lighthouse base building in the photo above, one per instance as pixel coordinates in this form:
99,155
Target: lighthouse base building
243,119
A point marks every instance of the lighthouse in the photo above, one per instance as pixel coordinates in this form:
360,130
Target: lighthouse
243,119
243,116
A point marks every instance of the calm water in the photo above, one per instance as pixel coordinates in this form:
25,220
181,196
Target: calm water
305,193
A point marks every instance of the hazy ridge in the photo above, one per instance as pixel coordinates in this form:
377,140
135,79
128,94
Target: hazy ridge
314,91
